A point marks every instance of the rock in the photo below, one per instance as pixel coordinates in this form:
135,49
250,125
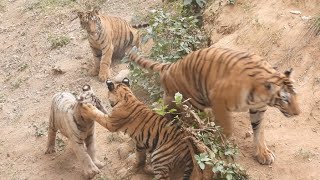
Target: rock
295,12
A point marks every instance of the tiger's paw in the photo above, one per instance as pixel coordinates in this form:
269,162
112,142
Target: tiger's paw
90,173
265,156
94,72
50,150
103,77
99,164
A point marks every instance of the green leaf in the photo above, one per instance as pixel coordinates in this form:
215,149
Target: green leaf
187,2
229,177
178,98
202,165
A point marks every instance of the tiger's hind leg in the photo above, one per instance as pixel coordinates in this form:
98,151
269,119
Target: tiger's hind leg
262,153
140,163
90,143
105,63
78,146
52,132
188,169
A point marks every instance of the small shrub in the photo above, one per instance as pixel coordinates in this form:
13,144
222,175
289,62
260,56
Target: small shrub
232,2
2,6
316,25
174,36
48,4
60,143
221,153
38,131
58,41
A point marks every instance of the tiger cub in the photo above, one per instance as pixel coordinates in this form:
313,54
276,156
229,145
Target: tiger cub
66,116
109,38
151,132
224,81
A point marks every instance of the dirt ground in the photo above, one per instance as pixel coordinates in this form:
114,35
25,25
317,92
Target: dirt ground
29,80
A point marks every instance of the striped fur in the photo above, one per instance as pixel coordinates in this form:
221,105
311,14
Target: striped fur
66,116
109,38
151,132
225,81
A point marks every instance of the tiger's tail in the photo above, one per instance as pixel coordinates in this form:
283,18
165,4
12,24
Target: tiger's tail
147,63
142,25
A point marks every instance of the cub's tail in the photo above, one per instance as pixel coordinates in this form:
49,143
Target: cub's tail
147,63
142,25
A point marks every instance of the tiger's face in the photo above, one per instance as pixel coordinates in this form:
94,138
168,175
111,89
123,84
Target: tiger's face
286,99
89,20
286,102
88,96
118,92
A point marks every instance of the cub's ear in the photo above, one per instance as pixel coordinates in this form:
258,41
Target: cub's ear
79,98
110,85
288,72
96,10
80,14
126,81
86,88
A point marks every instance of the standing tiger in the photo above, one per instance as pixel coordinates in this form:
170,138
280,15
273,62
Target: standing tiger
109,38
224,81
151,132
66,116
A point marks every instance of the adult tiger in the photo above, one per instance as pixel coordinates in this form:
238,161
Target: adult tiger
109,38
225,81
67,117
151,132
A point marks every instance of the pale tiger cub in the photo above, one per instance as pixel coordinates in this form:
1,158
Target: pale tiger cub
109,37
151,132
67,116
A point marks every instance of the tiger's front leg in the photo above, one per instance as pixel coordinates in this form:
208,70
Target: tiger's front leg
91,112
262,153
105,63
96,60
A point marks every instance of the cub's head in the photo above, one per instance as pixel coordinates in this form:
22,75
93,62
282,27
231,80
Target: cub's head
90,19
285,96
119,93
88,96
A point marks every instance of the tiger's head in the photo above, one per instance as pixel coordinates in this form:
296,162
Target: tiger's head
118,92
285,96
90,20
88,96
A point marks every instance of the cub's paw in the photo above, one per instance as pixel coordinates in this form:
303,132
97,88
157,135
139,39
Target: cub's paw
265,156
103,77
94,72
99,164
50,150
90,173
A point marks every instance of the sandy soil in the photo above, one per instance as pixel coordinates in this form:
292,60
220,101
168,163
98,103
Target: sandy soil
28,81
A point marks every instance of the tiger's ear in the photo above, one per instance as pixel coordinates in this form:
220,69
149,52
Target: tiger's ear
86,88
96,10
80,14
110,85
126,81
79,98
288,72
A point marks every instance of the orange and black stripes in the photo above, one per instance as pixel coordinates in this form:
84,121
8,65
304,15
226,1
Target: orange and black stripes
151,132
